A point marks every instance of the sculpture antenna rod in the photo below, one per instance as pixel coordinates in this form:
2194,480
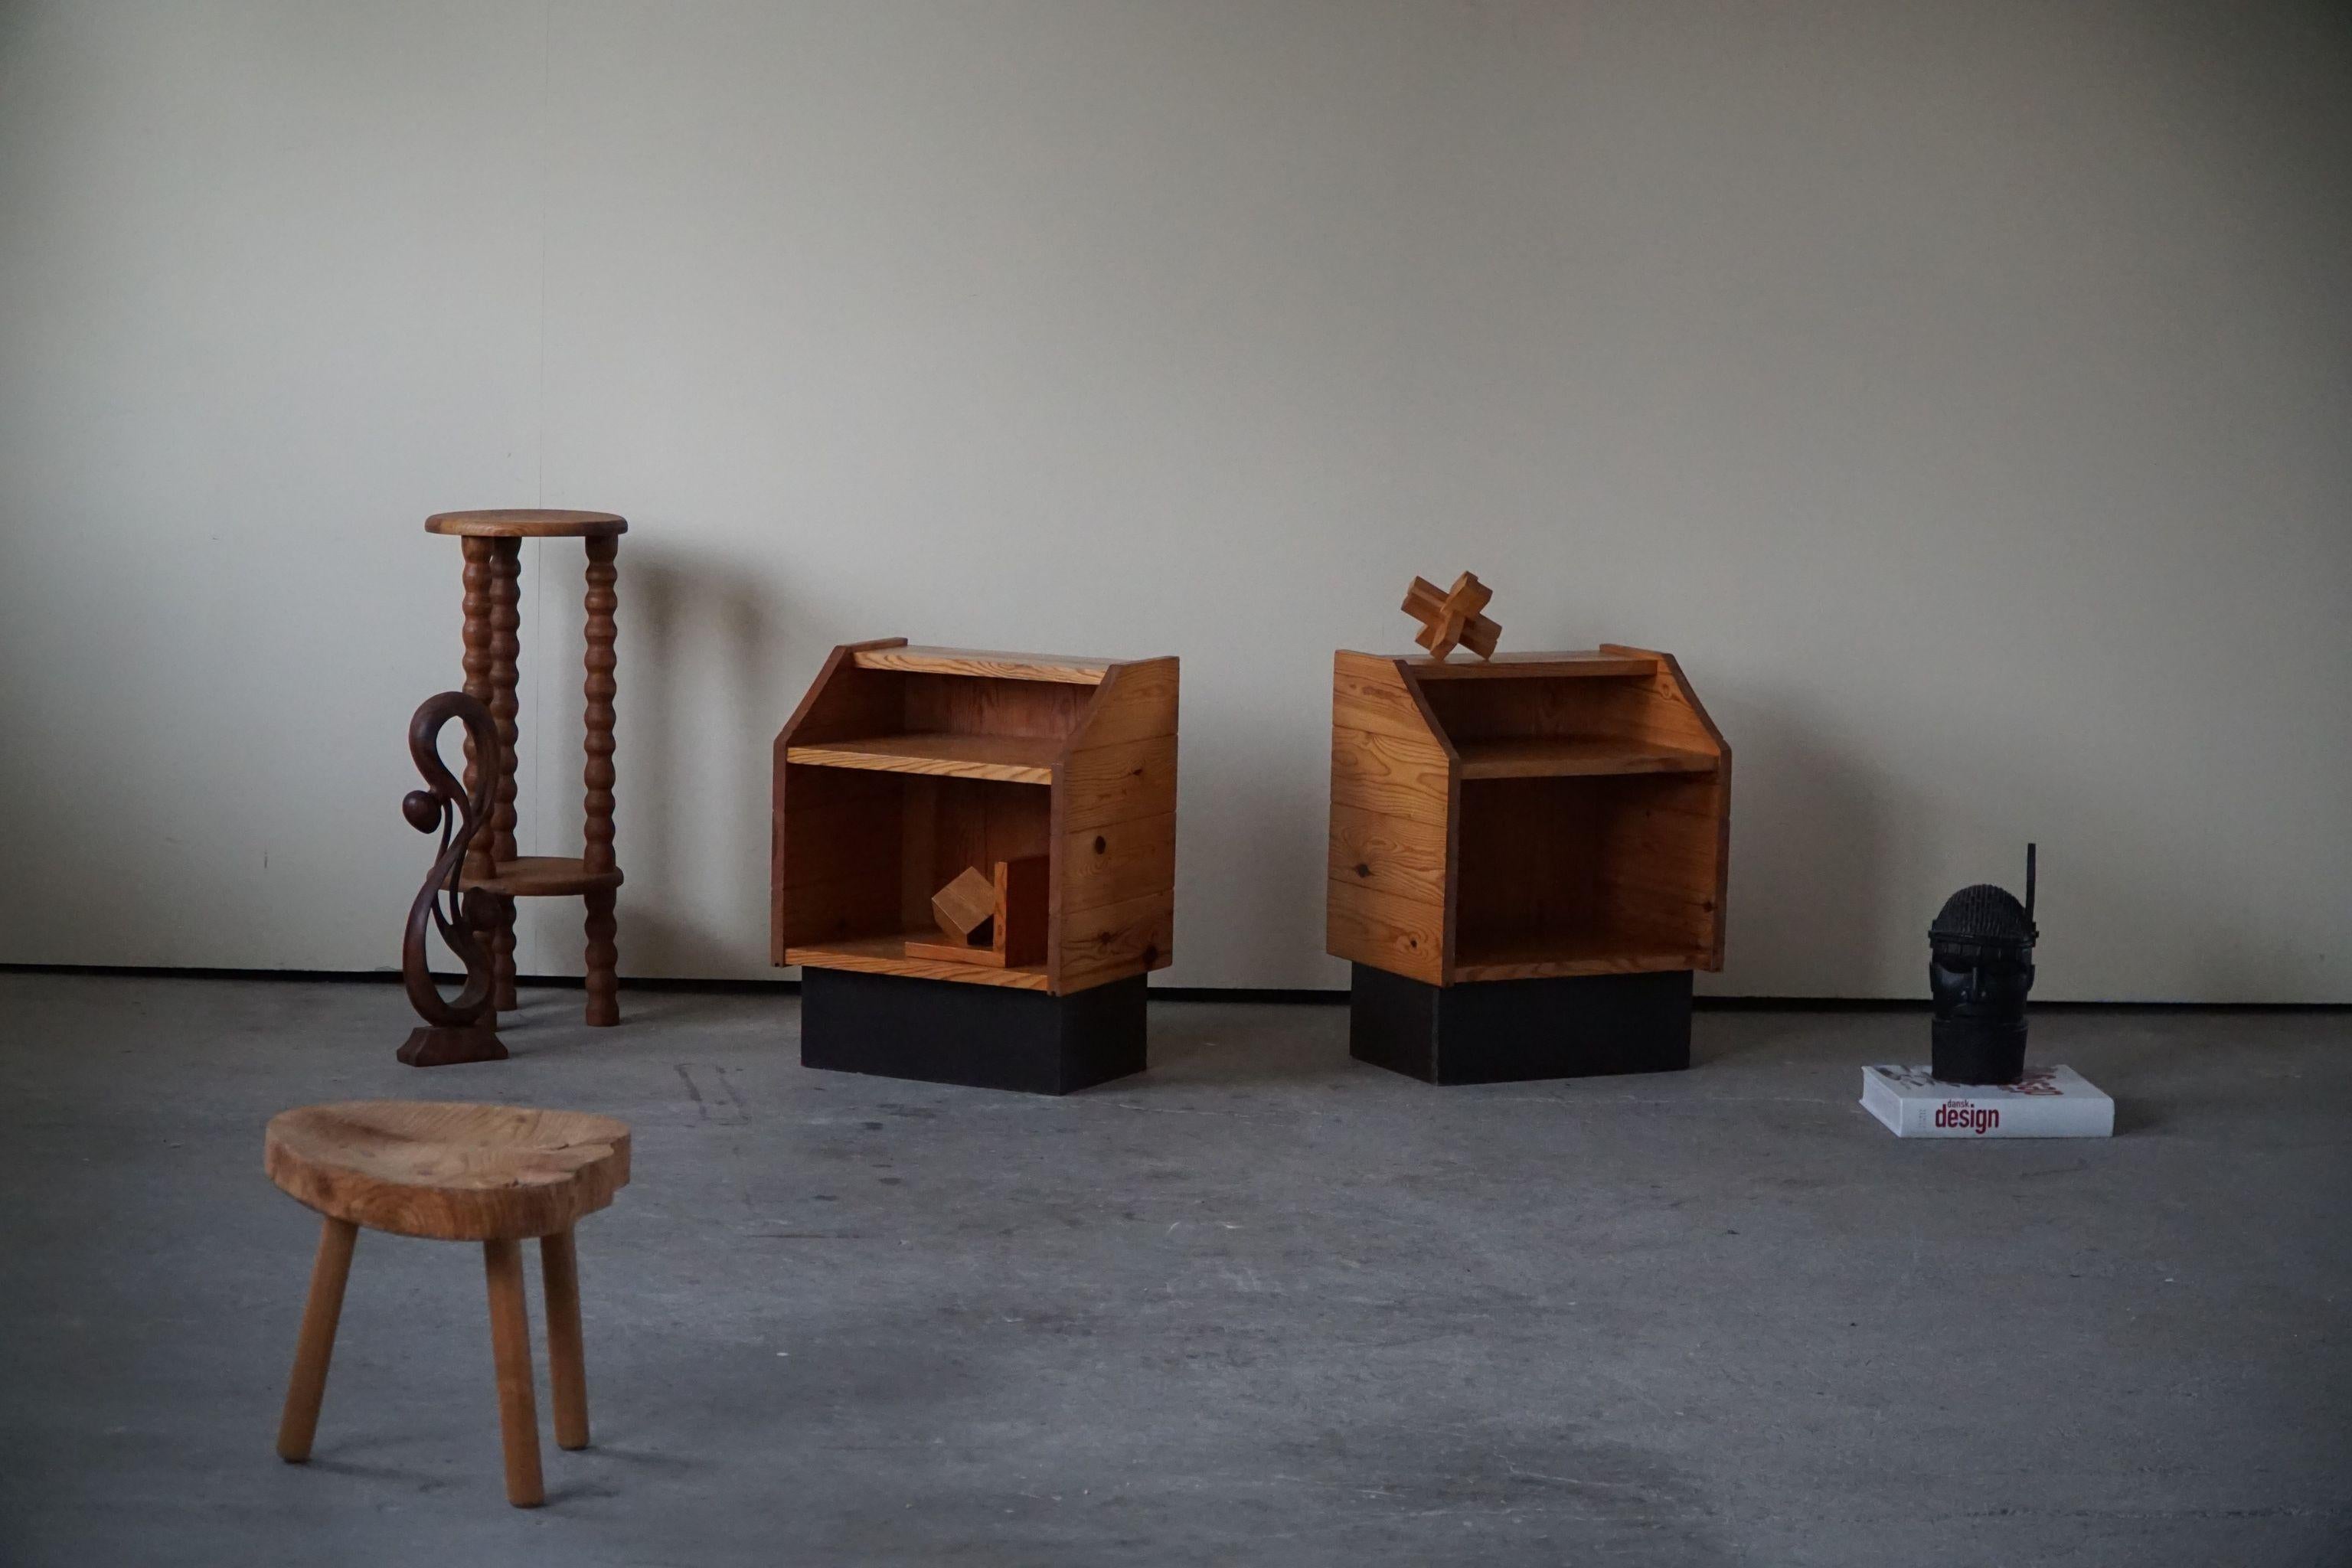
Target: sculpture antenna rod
2029,883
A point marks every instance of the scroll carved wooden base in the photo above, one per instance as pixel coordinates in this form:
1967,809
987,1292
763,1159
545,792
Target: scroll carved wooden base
429,1046
463,1029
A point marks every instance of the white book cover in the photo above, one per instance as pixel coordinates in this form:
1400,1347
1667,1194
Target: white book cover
2047,1102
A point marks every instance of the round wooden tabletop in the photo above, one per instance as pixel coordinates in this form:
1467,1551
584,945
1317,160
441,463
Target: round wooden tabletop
448,1171
528,522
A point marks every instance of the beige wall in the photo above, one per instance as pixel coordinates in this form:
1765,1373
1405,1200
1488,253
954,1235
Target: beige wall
1963,390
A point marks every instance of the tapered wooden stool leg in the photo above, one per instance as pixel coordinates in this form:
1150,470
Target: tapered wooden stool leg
510,1349
325,1309
567,1359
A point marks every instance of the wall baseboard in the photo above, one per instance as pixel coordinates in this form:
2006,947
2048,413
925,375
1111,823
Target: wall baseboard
1277,995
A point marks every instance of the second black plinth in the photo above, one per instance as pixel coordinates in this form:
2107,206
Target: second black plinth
983,1037
1506,1031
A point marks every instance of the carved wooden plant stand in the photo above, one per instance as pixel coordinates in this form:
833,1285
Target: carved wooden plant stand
464,1029
493,546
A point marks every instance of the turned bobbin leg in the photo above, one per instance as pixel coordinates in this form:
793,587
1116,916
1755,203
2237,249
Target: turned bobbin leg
510,1350
567,1359
603,1002
316,1344
604,983
505,649
479,855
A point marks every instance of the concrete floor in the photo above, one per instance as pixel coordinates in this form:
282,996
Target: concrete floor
1260,1305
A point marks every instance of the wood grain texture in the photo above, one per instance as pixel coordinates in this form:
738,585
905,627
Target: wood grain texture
1390,893
1011,909
306,1389
1018,933
1452,616
1104,785
482,770
1138,702
846,700
567,1354
1546,957
492,542
463,1029
506,648
1048,667
1370,693
600,959
542,877
1399,857
952,825
1555,756
888,955
1670,712
1592,662
965,905
989,705
1118,861
1675,715
842,700
599,686
510,1355
969,736
1581,800
448,1171
1404,936
1390,776
1115,941
843,824
526,522
501,596
1113,900
1009,758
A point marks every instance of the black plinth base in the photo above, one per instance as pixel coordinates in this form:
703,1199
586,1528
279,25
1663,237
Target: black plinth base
983,1037
1504,1031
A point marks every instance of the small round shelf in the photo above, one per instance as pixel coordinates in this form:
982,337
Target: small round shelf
528,522
542,877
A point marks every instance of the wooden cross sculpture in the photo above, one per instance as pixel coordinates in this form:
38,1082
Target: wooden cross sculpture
1452,618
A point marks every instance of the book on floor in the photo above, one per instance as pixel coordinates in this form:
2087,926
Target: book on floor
2047,1102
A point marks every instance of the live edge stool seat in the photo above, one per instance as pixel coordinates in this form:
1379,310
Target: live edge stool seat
494,1174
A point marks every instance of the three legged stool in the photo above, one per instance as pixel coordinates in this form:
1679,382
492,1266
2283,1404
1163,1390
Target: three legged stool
493,545
492,1174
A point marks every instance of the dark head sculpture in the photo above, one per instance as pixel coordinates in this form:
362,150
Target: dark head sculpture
1979,968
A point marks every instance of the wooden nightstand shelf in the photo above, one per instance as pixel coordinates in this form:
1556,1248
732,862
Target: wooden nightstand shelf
1527,861
905,766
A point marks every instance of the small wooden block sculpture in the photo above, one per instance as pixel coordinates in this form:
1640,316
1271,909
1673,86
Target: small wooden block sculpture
464,1029
1452,619
966,907
999,921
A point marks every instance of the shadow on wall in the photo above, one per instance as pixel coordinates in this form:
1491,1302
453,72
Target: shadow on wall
712,660
1848,877
1811,903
